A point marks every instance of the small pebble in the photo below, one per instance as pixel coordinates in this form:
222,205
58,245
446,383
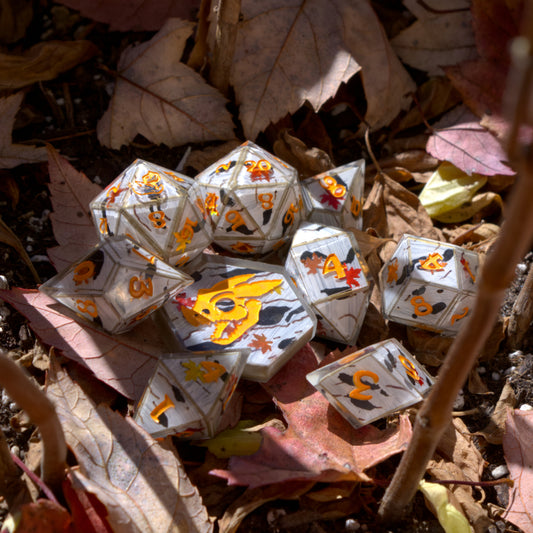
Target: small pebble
481,370
97,180
521,268
459,401
12,406
526,407
510,370
29,248
4,284
60,101
40,258
5,398
352,525
495,376
499,471
516,354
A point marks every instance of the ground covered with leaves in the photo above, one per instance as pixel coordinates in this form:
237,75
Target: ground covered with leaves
414,88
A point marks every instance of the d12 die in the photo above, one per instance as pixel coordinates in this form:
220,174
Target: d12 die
335,197
429,284
326,264
372,383
158,208
189,392
254,200
242,304
115,286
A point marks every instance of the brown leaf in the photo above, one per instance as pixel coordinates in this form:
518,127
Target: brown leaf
134,15
70,193
161,98
12,155
391,210
493,432
200,159
15,18
43,61
143,486
43,516
319,444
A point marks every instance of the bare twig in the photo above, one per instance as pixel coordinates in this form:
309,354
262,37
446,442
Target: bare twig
42,413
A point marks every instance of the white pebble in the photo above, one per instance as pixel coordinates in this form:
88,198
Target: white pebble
60,101
510,370
459,401
12,406
4,284
516,354
5,398
495,376
521,268
352,525
526,407
97,180
481,370
29,248
499,471
40,258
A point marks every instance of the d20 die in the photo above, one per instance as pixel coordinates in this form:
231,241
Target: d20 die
335,197
372,383
325,262
242,304
117,285
189,392
160,209
429,284
254,200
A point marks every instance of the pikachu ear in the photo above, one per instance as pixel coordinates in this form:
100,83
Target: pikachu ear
194,318
256,288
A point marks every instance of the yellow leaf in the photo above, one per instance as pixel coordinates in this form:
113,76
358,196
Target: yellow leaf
236,441
449,188
469,209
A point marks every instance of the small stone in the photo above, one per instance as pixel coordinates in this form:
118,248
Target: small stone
521,268
495,376
29,248
526,407
499,471
5,399
459,401
12,406
352,525
510,370
4,284
481,370
274,515
516,354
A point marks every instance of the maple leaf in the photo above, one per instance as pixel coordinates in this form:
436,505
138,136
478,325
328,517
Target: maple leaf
194,371
319,444
313,263
181,301
352,274
260,342
330,200
12,155
143,486
161,98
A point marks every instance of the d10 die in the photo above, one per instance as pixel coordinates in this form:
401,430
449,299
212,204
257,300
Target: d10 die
158,208
189,392
325,262
254,200
242,305
335,197
118,284
429,284
372,383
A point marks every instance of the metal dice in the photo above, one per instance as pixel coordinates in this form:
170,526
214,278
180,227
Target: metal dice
188,393
335,197
156,207
429,284
241,304
325,262
372,383
254,200
117,285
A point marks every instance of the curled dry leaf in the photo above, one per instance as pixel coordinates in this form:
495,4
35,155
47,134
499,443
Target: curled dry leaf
144,487
200,159
43,61
70,193
161,98
12,155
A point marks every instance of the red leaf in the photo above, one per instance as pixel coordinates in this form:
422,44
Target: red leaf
330,200
125,362
352,275
460,139
70,193
43,516
319,444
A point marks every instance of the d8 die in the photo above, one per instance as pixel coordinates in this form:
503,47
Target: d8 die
429,284
254,200
335,197
325,262
115,286
158,208
372,383
189,392
242,305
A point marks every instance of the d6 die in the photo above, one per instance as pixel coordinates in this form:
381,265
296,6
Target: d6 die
242,305
429,284
325,262
335,197
189,392
372,383
254,200
158,208
115,286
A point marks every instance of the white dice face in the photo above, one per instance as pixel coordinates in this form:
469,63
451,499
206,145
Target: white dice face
156,207
335,197
117,285
326,264
429,284
372,383
254,200
242,305
188,393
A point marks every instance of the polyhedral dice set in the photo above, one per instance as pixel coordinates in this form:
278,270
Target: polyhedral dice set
238,318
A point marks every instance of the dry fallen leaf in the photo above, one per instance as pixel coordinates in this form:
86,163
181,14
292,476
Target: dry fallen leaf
144,487
319,444
495,429
15,18
157,96
11,154
70,193
42,516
